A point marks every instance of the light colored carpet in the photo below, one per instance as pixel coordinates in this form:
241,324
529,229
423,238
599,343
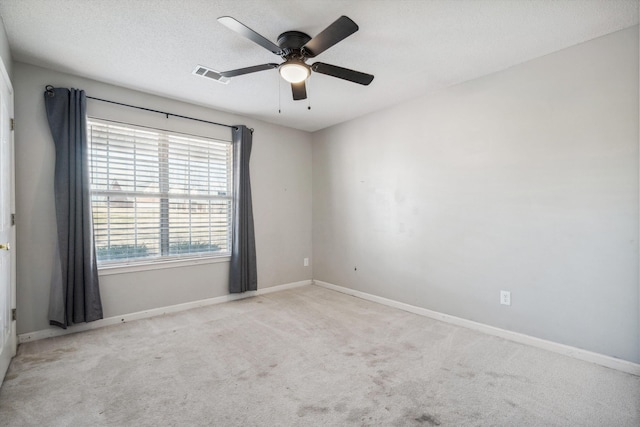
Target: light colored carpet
305,357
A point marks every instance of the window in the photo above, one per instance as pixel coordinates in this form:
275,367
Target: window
158,195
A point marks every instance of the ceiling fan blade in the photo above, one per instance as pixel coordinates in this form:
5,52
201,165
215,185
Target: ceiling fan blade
299,91
247,70
342,28
342,73
243,30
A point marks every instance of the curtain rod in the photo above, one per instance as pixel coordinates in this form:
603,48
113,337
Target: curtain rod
162,112
50,89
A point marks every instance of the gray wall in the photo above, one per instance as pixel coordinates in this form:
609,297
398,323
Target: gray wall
524,180
281,183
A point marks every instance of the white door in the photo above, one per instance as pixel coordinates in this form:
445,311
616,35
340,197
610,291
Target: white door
7,262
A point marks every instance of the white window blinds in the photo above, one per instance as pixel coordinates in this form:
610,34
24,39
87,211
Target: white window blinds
157,194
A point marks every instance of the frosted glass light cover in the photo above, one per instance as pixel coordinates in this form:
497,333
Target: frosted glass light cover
294,72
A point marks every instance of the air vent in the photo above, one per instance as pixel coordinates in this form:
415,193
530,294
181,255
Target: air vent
211,74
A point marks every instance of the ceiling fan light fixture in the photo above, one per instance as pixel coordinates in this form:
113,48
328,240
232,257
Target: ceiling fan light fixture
295,48
294,71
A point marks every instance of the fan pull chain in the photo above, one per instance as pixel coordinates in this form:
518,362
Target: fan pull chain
308,93
279,94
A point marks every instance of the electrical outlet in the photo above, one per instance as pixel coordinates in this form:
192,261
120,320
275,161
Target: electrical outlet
306,262
505,297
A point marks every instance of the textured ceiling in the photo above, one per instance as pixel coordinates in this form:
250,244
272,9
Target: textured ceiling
412,47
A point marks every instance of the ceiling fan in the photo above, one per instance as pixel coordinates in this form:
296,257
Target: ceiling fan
296,47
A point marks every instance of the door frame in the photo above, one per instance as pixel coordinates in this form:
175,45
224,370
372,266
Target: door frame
13,338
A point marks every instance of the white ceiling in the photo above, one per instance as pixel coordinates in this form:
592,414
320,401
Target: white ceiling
412,47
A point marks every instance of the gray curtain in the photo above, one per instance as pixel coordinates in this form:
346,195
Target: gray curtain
243,275
75,294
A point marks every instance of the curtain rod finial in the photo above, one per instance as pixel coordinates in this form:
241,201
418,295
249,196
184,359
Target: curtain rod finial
49,90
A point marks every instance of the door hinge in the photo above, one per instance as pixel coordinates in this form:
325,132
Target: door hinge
13,219
13,314
13,124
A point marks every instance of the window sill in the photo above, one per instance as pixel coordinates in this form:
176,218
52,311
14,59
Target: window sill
107,270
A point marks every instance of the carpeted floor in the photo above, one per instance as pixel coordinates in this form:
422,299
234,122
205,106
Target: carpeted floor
305,357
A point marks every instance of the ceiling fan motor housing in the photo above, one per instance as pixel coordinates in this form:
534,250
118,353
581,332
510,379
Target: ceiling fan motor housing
291,43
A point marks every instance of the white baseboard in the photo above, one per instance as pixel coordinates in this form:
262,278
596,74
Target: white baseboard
576,353
55,332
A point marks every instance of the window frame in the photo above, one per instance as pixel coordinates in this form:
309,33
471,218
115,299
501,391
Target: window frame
124,265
